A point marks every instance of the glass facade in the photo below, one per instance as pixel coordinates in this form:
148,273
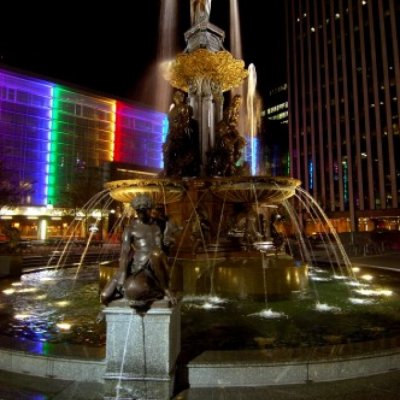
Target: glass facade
25,127
139,136
50,133
344,103
82,137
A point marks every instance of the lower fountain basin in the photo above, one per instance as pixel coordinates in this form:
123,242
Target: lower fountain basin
301,306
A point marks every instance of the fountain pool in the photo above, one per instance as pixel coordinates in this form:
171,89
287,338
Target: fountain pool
51,307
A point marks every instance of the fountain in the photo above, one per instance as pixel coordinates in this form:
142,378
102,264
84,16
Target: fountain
204,178
229,262
229,247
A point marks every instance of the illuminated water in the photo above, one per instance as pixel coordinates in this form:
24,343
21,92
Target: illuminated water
50,307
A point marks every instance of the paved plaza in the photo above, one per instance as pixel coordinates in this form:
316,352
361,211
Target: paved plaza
378,387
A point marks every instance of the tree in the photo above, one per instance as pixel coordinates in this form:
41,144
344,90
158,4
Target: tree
86,184
12,191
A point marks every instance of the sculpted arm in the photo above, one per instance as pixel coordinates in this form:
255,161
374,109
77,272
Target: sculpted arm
125,255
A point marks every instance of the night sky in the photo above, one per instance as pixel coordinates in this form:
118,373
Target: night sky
103,48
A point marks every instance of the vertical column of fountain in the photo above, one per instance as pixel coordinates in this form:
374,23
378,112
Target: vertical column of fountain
205,95
141,351
205,70
201,99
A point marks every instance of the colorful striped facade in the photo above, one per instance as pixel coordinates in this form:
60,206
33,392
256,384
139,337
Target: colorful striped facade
49,131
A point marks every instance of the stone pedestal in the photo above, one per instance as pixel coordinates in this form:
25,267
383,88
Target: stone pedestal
141,351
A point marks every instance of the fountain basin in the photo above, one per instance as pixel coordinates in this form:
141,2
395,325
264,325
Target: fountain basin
163,191
255,189
33,306
249,189
237,277
358,340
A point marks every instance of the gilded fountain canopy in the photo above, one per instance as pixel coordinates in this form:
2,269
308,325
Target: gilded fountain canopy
220,68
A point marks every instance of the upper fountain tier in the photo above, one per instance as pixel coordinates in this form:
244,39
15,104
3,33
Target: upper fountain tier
205,58
200,69
210,149
256,189
205,70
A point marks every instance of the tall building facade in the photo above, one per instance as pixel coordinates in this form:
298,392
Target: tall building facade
275,124
51,133
344,105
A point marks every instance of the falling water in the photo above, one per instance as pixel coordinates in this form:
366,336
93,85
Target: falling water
267,312
91,235
341,256
212,290
251,115
198,221
64,247
236,50
235,34
335,253
128,335
155,90
167,48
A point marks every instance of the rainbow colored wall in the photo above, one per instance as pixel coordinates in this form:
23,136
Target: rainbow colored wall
48,131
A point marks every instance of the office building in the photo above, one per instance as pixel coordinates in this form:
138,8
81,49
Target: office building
275,127
344,107
50,134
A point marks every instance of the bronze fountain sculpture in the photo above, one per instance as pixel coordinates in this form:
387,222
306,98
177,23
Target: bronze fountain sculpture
143,273
203,165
